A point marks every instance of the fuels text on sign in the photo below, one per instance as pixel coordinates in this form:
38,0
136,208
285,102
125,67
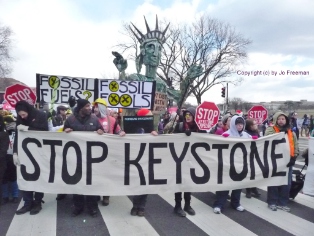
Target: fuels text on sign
19,92
259,113
127,94
207,115
58,88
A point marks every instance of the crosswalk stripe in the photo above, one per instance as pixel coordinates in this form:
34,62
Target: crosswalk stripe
40,224
209,222
284,220
119,221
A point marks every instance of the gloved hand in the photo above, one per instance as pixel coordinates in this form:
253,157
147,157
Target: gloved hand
291,162
294,129
225,135
16,160
188,132
22,127
254,137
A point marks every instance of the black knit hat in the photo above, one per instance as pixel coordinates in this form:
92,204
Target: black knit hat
81,103
23,106
239,120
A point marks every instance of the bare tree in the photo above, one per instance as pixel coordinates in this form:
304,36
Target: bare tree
5,47
207,42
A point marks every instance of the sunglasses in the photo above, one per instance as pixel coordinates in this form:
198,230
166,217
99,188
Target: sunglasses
188,115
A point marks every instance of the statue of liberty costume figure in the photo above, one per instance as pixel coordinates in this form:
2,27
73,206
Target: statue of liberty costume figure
150,55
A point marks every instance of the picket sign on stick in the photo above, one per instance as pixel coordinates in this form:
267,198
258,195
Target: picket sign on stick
54,84
92,164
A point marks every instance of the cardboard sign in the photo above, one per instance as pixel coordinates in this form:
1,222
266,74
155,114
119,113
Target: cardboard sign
160,104
60,88
138,124
127,94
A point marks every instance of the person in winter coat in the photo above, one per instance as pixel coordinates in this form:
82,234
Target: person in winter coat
4,145
278,196
139,201
294,123
236,130
251,128
109,124
28,118
225,125
60,117
9,184
187,126
83,120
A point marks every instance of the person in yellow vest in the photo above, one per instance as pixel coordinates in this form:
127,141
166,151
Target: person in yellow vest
278,196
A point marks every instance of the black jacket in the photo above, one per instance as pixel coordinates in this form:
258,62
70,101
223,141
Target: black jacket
77,123
36,120
4,144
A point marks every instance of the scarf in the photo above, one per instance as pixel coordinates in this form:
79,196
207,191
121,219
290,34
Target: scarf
290,137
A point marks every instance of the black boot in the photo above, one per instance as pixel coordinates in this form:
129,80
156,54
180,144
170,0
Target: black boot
255,192
36,208
248,193
178,210
189,209
23,210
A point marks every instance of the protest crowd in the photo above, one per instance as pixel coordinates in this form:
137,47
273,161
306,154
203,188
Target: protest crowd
81,115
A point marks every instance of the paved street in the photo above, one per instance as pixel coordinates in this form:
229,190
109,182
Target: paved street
115,219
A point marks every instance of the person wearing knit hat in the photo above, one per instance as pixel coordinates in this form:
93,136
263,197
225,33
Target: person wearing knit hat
188,126
144,112
28,118
109,125
83,120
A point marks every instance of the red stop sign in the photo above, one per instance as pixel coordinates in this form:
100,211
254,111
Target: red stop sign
18,92
259,113
207,115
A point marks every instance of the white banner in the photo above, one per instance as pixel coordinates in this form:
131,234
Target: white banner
127,94
90,164
308,187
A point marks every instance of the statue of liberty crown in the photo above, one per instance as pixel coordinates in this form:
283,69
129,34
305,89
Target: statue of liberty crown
151,34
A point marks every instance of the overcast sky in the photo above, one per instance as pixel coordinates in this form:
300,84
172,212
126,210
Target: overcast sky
76,37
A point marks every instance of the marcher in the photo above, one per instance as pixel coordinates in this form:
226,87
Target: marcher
4,145
60,117
109,124
294,123
187,126
9,184
305,125
225,124
28,118
83,120
278,196
139,201
237,125
252,129
311,127
171,124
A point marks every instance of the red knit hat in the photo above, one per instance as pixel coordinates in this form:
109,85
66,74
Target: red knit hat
143,112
